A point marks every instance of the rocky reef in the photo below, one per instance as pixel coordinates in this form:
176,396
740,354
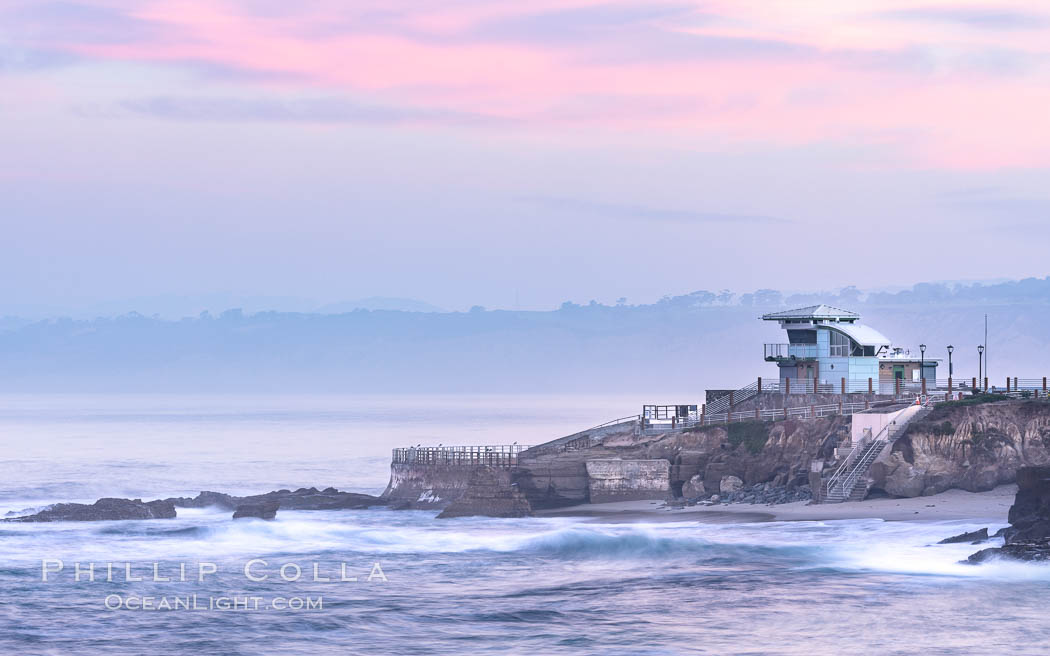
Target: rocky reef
259,505
260,510
305,498
973,445
1028,537
102,510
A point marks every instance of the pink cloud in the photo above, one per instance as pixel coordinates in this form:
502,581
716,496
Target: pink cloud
953,93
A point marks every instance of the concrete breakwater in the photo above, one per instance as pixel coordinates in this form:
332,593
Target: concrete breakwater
974,444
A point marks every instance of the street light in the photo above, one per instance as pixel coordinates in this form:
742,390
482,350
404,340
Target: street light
951,370
980,362
922,361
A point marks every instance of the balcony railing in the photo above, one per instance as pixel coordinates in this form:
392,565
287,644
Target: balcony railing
788,351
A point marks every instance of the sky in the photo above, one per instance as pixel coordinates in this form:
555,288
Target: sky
514,154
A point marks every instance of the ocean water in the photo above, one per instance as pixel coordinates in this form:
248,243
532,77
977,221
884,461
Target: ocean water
462,586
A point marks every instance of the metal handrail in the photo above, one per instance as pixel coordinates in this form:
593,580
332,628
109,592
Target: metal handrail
861,448
788,351
870,454
613,422
504,455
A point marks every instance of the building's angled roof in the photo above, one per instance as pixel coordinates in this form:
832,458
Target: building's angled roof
812,312
863,335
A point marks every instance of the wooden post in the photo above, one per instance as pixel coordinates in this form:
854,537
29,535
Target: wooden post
869,386
986,383
785,412
760,384
1044,385
867,405
813,411
756,414
973,386
1015,384
896,386
843,387
840,405
787,386
924,386
1007,384
949,384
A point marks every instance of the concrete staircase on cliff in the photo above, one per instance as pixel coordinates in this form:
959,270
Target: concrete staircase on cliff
850,481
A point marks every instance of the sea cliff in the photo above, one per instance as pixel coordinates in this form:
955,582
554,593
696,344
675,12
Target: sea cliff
969,445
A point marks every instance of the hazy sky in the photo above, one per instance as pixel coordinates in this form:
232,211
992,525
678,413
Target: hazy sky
517,152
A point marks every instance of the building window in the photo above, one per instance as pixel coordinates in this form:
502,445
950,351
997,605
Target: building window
841,346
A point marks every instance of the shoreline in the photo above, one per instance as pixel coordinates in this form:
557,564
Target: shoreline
991,506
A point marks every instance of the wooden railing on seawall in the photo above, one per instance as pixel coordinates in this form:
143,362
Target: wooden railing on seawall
501,456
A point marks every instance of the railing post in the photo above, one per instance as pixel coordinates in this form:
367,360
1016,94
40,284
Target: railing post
896,386
760,384
785,412
756,413
867,405
840,406
973,385
1044,385
787,386
1015,384
813,411
986,383
843,386
949,384
924,386
1007,384
870,386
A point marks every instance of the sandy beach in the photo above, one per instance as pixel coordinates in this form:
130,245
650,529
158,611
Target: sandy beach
991,506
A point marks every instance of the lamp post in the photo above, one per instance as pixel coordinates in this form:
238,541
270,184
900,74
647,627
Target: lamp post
980,362
951,370
922,361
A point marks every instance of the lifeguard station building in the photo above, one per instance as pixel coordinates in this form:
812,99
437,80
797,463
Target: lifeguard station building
826,345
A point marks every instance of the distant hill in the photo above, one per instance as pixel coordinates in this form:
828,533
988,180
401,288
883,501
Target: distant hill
669,351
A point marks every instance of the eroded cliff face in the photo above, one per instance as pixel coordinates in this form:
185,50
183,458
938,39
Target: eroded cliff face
756,452
973,447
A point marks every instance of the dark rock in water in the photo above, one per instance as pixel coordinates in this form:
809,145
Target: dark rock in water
1028,537
1033,551
305,498
102,510
1001,532
966,537
261,510
311,499
113,509
489,493
1030,514
206,500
